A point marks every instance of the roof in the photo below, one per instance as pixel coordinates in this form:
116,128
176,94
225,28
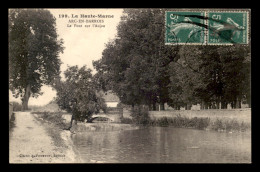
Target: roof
109,96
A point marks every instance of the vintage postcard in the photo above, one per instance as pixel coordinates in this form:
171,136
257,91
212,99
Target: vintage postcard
112,85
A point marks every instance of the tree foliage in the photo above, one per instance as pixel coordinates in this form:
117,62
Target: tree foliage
141,69
211,75
133,64
33,52
78,94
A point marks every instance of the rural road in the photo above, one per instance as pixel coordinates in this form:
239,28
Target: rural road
29,142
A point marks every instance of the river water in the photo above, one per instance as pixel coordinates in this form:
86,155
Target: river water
163,145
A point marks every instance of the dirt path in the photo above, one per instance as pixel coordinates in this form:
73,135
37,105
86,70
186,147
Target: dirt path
30,143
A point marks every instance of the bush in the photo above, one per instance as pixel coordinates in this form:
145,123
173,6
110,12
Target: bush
17,106
218,125
163,122
203,123
140,115
126,120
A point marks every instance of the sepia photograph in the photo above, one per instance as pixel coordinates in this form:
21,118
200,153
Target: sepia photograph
129,85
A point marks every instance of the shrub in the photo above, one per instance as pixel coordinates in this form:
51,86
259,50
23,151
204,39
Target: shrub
202,123
218,125
126,120
163,122
140,115
17,106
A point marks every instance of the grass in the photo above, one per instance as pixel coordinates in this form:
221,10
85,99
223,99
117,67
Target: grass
201,123
182,122
54,118
240,115
54,127
229,125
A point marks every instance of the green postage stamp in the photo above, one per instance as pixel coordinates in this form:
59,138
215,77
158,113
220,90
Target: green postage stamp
206,27
183,28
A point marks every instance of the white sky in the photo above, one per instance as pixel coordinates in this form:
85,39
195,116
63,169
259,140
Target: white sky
82,45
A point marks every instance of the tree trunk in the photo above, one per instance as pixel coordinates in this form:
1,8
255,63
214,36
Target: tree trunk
121,112
206,106
238,104
71,121
162,106
26,97
202,105
217,105
189,106
150,107
232,105
154,106
223,105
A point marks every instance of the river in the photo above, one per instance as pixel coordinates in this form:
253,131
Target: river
163,145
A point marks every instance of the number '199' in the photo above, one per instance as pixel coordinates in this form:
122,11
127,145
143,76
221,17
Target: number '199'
63,16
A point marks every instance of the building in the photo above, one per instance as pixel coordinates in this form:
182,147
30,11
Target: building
111,99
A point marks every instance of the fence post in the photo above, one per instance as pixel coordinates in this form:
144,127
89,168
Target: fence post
121,111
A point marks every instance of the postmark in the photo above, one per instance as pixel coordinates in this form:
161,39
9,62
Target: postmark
228,27
184,28
206,27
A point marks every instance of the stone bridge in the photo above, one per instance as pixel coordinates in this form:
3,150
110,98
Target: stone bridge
113,118
113,114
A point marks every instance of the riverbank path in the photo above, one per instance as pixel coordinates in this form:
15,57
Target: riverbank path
30,143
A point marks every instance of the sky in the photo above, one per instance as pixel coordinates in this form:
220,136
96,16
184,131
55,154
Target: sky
82,44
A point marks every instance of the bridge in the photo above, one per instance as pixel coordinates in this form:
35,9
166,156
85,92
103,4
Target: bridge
112,118
112,115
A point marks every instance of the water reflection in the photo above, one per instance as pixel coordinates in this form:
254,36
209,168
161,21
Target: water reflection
163,145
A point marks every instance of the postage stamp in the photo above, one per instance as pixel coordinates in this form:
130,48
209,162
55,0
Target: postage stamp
206,27
228,27
184,27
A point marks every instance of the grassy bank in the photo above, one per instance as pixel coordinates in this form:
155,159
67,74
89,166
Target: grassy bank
53,118
214,114
54,125
227,125
226,120
93,127
57,119
215,123
202,123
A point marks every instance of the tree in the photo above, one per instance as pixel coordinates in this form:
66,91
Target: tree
134,65
78,94
33,52
236,74
185,77
212,76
